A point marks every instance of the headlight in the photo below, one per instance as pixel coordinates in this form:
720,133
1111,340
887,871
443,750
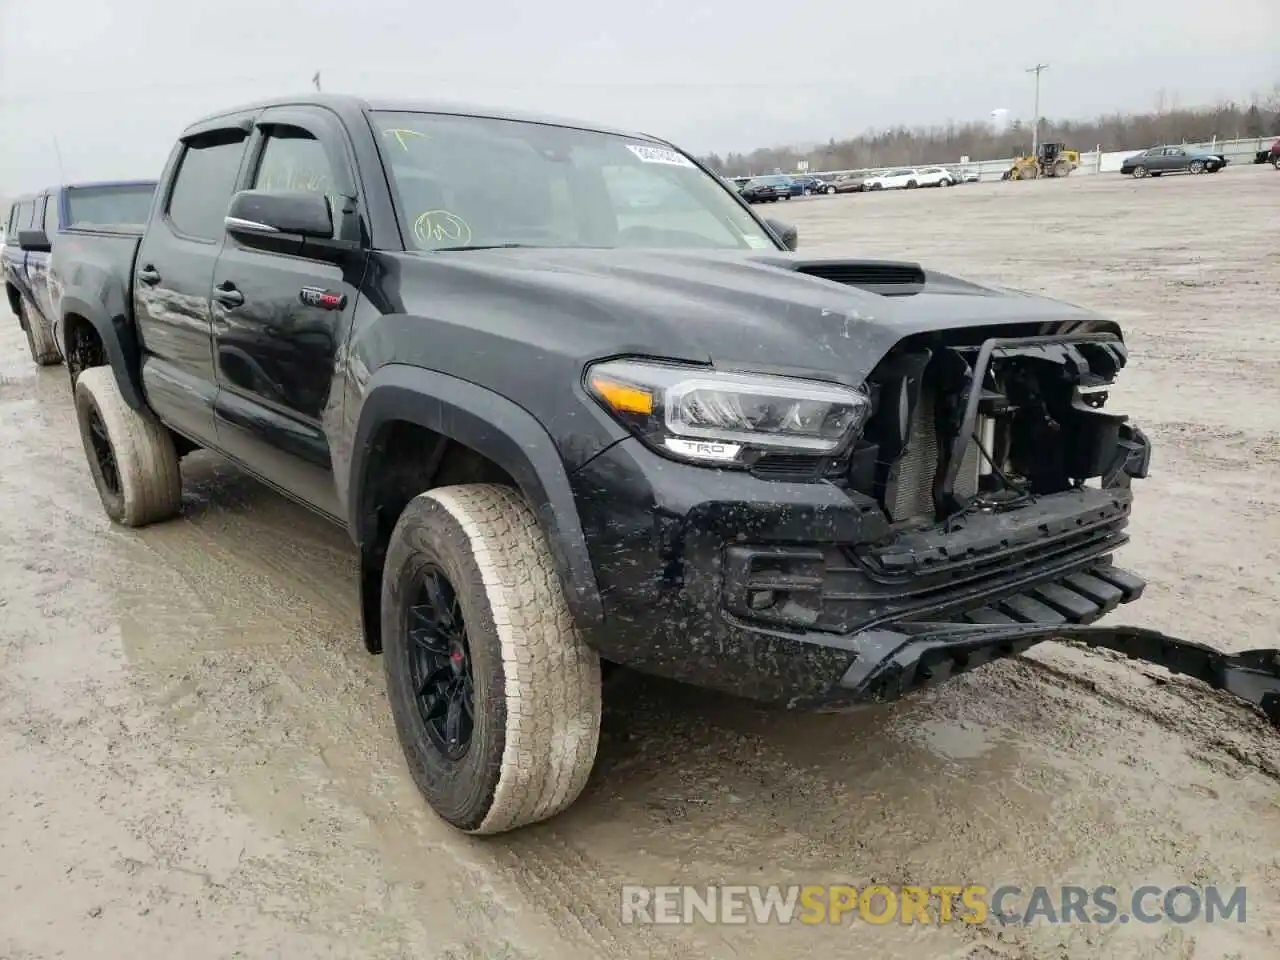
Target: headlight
705,415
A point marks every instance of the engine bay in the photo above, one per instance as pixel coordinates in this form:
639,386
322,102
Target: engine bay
962,424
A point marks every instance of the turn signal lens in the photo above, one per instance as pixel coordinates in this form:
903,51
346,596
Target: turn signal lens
623,398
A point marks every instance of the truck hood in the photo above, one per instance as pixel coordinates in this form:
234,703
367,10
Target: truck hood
771,310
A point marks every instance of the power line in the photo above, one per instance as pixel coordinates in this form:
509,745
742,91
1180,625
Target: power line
1035,124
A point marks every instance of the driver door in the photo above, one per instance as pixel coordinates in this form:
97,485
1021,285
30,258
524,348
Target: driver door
276,339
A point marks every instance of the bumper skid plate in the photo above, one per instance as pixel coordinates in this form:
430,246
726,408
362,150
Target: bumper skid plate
895,661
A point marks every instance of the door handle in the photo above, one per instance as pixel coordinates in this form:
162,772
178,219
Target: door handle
227,294
149,275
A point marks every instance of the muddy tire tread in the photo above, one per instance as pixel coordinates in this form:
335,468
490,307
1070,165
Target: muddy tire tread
551,678
150,477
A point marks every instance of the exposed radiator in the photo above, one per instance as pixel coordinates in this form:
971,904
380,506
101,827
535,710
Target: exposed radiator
919,465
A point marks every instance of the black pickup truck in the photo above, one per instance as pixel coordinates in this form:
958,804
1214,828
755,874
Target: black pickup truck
577,404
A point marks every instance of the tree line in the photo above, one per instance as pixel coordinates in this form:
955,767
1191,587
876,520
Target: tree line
1167,122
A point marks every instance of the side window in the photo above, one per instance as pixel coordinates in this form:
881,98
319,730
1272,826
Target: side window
25,210
51,215
206,179
294,160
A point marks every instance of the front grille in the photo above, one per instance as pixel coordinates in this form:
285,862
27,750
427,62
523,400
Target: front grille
918,465
795,467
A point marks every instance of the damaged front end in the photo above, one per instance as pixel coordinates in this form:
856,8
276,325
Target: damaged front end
892,662
994,454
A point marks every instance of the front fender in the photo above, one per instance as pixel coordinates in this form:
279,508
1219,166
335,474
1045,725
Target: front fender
118,340
498,429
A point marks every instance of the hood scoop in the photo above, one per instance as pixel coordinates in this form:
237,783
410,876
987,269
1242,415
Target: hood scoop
885,277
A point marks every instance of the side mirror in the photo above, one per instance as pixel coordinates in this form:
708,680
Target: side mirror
788,234
255,214
34,241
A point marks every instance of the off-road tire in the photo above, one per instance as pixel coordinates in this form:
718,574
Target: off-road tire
537,692
148,484
44,349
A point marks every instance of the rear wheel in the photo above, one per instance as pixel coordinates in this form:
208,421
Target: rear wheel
496,698
911,184
830,189
44,349
131,455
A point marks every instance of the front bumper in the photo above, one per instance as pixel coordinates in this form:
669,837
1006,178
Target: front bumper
792,592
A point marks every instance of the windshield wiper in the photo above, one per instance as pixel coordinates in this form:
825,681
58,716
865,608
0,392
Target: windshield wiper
484,246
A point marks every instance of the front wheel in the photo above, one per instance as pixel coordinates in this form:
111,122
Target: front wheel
830,190
1139,172
131,454
1197,166
496,698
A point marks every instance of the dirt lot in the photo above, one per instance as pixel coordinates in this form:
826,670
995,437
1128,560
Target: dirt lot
198,759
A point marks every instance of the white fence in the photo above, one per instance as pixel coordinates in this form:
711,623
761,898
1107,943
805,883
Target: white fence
1092,161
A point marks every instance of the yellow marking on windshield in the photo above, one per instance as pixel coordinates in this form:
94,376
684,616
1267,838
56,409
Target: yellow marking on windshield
401,132
442,226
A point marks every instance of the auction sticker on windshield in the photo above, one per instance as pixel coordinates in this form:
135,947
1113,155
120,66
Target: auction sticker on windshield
659,155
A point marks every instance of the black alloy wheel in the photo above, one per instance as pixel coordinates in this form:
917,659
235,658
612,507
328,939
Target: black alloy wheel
440,663
104,456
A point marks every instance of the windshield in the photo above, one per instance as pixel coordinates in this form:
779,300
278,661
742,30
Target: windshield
476,181
124,205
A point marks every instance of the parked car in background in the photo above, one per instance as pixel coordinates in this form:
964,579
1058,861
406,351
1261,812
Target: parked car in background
935,177
964,175
35,222
1172,159
847,183
1270,155
807,186
767,190
903,178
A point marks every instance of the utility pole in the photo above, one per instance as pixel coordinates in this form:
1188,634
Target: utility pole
1035,124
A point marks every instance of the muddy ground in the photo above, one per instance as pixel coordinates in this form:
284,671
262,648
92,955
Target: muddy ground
196,756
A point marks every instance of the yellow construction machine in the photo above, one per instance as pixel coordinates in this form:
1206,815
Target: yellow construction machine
1050,160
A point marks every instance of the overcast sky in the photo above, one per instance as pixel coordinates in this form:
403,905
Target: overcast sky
111,82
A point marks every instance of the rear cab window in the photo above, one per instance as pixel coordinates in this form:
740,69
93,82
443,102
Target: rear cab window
205,180
109,205
19,219
51,215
